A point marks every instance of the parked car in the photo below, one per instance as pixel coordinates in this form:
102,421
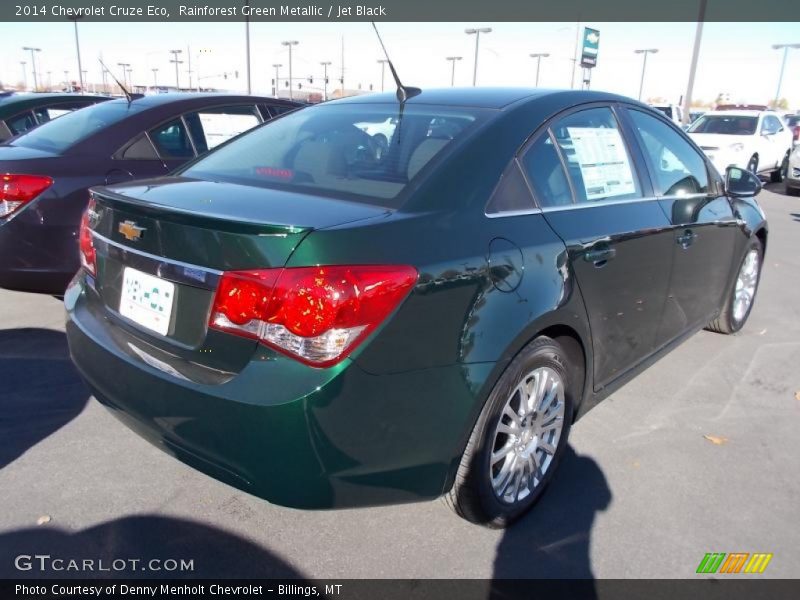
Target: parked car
324,325
792,181
47,171
672,111
755,140
695,114
21,112
793,123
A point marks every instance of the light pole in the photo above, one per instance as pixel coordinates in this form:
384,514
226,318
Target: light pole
78,49
453,60
24,75
477,32
177,62
49,81
155,78
539,56
67,81
129,71
785,48
124,72
33,65
645,52
277,66
698,37
289,44
325,66
382,62
247,46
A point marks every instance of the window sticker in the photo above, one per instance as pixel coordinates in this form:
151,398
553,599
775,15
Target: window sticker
220,127
603,161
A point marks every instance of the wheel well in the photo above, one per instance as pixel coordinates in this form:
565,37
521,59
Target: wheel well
761,234
569,339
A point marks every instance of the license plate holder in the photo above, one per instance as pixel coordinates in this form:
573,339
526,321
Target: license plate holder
147,300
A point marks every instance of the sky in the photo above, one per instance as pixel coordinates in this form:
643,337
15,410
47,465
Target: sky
735,58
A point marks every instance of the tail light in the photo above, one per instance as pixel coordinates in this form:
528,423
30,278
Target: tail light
18,190
85,243
317,315
796,133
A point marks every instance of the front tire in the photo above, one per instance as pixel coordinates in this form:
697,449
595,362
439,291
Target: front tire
739,301
519,439
780,173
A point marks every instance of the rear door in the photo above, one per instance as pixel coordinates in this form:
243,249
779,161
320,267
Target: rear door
704,227
588,184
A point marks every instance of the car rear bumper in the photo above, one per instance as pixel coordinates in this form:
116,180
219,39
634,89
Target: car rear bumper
293,435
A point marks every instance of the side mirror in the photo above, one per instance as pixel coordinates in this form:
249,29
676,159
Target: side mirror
740,183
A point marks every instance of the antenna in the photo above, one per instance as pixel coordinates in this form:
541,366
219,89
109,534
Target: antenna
403,92
128,95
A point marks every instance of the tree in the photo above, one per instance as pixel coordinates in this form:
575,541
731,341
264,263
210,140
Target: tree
781,104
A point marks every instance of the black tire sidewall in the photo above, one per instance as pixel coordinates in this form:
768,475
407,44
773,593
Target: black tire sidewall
542,355
733,324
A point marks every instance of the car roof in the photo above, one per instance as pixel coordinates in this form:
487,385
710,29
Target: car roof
739,113
154,100
488,97
8,99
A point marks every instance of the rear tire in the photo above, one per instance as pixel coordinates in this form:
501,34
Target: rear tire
519,439
737,305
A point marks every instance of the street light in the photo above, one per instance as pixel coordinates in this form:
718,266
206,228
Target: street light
124,72
325,66
33,65
78,48
289,44
785,48
382,62
539,56
155,78
645,52
277,66
477,32
67,81
24,75
453,60
177,62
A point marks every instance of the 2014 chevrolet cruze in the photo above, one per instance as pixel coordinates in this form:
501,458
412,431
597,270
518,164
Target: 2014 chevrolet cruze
326,320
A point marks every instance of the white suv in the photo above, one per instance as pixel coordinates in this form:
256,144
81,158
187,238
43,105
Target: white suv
756,140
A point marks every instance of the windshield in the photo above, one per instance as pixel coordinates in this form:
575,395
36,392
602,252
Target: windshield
62,133
725,124
364,152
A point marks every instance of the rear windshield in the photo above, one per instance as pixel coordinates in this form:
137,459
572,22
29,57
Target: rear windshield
62,133
725,124
363,152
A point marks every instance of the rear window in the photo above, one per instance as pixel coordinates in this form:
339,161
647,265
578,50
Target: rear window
358,151
725,124
62,133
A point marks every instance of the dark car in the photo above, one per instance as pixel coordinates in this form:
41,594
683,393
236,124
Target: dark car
21,112
46,173
325,322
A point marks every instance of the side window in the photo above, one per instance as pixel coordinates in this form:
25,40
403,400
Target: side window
598,162
677,167
139,149
545,173
172,141
775,124
511,195
21,123
212,126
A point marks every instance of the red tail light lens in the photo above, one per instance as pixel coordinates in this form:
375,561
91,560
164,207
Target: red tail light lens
18,190
317,315
85,243
796,133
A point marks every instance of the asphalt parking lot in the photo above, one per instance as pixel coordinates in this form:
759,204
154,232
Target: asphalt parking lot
643,493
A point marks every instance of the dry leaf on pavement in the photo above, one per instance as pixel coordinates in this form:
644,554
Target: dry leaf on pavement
717,440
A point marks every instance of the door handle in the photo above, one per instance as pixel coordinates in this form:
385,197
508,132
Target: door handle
685,239
600,256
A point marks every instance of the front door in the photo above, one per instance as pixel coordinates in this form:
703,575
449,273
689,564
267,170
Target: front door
702,220
618,239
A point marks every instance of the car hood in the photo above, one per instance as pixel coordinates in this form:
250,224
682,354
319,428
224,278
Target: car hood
719,140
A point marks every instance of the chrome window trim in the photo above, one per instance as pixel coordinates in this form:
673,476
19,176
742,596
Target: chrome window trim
550,209
166,268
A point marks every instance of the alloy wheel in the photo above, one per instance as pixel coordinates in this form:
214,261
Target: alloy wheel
746,285
527,434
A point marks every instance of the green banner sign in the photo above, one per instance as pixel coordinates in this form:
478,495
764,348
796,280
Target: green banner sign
591,42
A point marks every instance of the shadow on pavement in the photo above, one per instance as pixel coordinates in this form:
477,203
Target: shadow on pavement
552,541
215,553
41,390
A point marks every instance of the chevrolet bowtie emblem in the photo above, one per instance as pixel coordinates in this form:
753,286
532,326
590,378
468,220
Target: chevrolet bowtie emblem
130,230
